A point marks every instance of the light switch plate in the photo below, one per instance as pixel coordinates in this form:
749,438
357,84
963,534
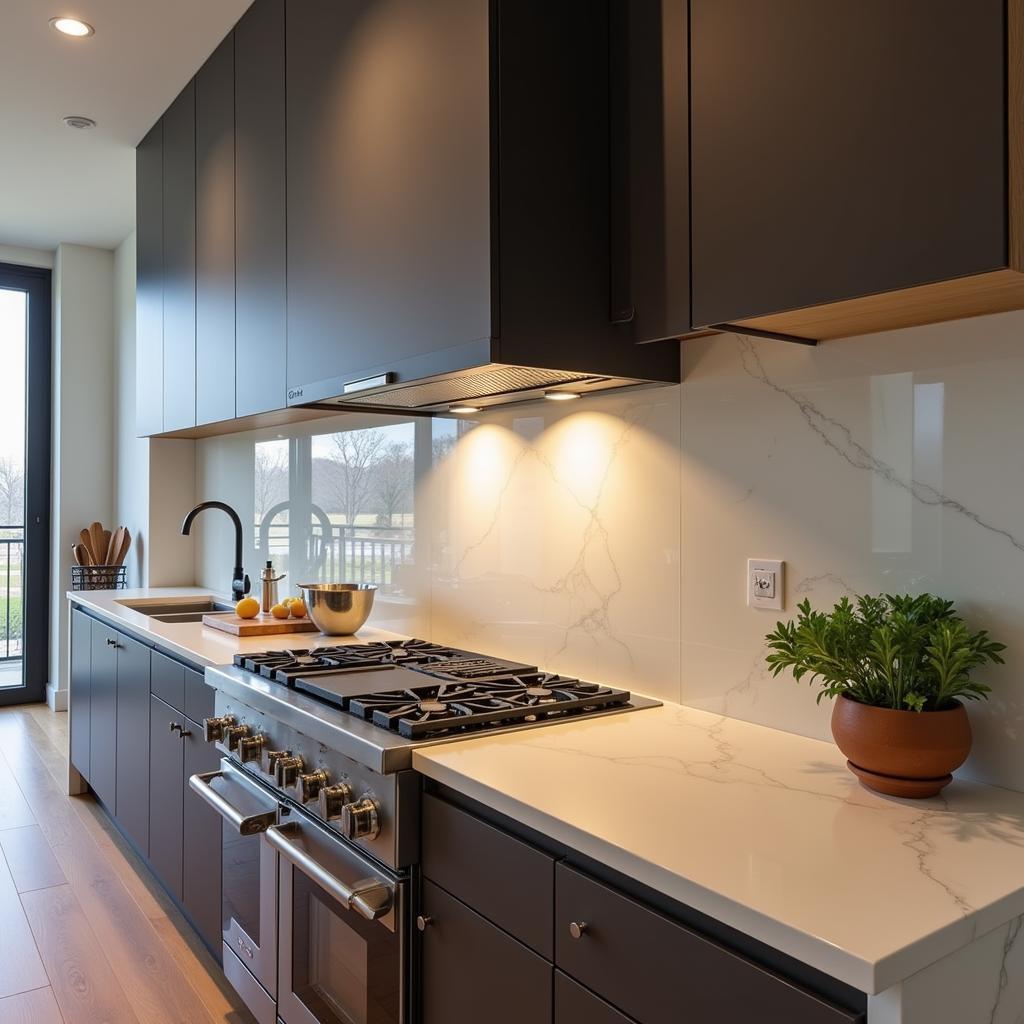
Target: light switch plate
766,584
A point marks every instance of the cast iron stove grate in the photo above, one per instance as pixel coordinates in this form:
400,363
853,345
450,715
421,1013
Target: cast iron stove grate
422,711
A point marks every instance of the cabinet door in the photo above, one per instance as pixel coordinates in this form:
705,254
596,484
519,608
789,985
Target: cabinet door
389,249
80,686
202,836
103,715
166,794
179,250
132,802
843,148
149,283
467,964
215,236
576,1005
260,237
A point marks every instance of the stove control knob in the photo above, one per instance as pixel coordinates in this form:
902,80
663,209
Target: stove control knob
308,786
286,770
334,800
361,820
250,747
270,759
213,728
233,734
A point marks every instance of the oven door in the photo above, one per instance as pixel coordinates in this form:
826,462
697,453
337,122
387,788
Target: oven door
343,936
249,883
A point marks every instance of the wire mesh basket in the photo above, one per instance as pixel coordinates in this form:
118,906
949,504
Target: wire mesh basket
99,577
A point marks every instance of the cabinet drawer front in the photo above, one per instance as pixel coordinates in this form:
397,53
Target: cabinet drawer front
198,696
467,967
168,681
507,881
575,1005
661,972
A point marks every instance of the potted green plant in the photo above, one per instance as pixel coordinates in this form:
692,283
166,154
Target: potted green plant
900,668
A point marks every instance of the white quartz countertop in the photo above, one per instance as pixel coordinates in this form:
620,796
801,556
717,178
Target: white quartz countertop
192,641
763,830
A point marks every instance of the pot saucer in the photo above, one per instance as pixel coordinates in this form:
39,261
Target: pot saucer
891,785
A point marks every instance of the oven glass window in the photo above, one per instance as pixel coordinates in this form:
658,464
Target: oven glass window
345,970
241,881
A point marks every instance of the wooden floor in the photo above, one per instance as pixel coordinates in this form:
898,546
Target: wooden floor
86,934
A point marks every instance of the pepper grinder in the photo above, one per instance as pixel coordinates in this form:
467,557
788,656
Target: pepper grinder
269,581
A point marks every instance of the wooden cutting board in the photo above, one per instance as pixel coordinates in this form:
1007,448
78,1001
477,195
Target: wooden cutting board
262,625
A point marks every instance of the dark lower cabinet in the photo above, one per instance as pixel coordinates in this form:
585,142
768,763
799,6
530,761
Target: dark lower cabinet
166,795
80,688
576,1005
103,713
201,842
473,971
131,807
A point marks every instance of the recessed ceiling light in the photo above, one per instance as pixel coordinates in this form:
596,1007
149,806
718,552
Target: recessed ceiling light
78,121
72,26
463,408
560,396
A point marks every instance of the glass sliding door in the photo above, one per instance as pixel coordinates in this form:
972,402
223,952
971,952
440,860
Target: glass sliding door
24,481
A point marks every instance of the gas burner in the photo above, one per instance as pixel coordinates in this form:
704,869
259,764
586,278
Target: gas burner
419,712
286,666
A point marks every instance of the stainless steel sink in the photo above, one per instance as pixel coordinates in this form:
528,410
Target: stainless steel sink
185,610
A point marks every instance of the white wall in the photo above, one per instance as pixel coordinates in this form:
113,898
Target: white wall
83,420
23,257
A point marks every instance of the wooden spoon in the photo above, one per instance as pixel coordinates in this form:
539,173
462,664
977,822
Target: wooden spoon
112,546
125,544
86,540
97,545
81,554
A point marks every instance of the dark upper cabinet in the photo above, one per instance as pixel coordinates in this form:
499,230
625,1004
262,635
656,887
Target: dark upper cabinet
215,236
80,690
166,794
149,282
131,807
846,148
103,714
449,193
179,261
260,209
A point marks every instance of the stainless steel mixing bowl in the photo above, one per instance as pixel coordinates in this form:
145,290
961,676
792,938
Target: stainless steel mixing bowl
338,609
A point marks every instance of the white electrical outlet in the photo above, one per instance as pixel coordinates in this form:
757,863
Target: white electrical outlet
765,583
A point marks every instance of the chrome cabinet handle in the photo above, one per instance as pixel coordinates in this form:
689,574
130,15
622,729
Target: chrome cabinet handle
423,923
173,727
577,929
182,733
111,642
247,824
370,898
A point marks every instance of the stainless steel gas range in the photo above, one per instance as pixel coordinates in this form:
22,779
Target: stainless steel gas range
321,808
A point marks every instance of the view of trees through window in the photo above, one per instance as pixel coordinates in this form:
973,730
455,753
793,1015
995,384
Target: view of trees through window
358,485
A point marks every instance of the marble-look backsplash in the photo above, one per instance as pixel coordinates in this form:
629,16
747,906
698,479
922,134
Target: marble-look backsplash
609,537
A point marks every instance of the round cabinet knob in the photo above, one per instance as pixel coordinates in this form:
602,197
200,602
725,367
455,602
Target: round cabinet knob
286,769
577,929
361,820
213,728
270,759
309,785
333,800
232,735
423,923
250,747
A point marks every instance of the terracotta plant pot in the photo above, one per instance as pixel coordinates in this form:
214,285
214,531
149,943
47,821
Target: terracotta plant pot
902,753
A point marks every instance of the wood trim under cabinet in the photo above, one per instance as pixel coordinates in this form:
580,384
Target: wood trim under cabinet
998,291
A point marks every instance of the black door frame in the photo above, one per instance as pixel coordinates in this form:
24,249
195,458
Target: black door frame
36,282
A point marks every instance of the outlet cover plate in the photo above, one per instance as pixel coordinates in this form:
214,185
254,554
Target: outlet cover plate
766,584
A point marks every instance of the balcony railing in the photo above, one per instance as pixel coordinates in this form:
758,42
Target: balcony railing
12,565
344,554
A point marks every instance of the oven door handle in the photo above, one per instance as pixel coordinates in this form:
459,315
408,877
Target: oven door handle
370,898
247,824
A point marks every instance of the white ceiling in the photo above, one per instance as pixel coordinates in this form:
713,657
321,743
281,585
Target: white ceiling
62,185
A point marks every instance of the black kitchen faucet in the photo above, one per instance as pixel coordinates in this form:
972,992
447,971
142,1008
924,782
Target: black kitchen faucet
239,581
